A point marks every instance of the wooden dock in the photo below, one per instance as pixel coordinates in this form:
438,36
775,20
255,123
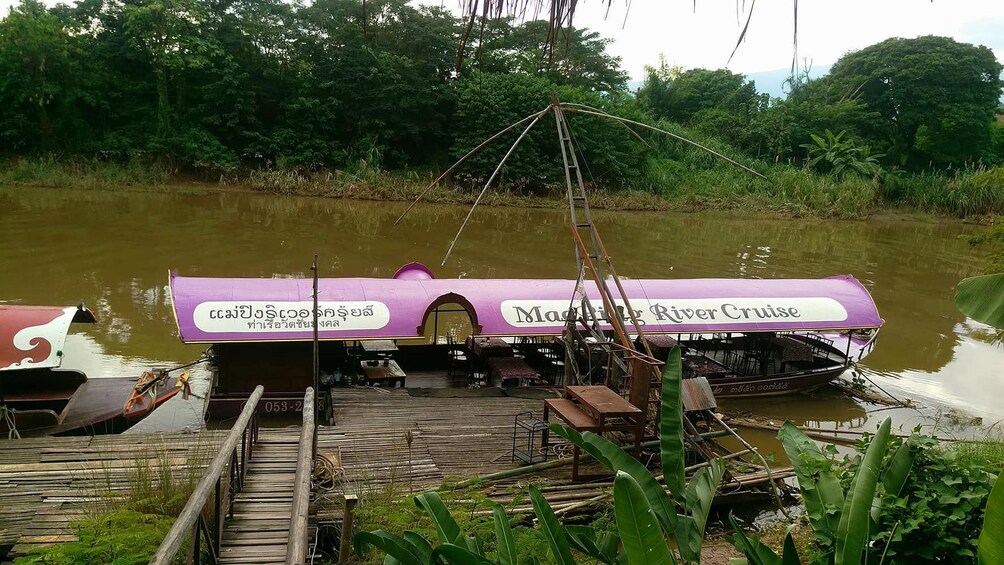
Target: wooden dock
455,433
391,441
48,483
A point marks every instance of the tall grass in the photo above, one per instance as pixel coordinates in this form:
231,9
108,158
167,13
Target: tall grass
690,180
56,172
963,192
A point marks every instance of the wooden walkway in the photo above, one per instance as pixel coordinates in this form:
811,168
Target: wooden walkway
455,433
48,483
259,529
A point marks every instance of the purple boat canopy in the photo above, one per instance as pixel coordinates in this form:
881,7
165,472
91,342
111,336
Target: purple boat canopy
216,310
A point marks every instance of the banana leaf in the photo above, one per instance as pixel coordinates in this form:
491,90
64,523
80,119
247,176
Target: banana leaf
756,553
394,546
644,542
822,494
503,537
553,530
616,459
982,299
991,544
852,531
671,426
895,474
789,555
599,546
699,495
456,555
446,527
422,546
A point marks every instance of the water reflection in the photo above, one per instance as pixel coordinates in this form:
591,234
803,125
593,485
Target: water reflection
113,250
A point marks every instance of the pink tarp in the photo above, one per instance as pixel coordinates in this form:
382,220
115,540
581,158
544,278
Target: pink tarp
212,310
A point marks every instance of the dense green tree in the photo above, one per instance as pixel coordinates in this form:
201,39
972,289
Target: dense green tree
170,36
487,103
579,58
674,94
937,97
38,68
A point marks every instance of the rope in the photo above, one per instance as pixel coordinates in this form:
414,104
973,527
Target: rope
8,417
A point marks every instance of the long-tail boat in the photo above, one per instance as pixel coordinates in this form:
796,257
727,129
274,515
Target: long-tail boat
39,398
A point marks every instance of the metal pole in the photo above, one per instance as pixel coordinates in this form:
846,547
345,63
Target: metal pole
317,367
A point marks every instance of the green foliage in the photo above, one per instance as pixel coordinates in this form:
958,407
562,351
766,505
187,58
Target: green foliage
839,156
120,537
908,501
937,96
982,299
644,542
937,514
579,58
759,554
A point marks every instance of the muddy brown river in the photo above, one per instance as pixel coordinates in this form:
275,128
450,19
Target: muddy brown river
113,250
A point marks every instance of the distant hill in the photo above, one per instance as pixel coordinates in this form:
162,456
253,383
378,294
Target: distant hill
772,82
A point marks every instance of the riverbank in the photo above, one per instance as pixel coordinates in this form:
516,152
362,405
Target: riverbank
786,192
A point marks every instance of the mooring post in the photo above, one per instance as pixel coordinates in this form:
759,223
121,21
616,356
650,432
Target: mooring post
345,544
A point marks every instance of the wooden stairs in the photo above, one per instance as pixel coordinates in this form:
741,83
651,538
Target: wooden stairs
259,529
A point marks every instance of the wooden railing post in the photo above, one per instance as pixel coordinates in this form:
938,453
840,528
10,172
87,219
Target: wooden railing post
296,547
345,544
191,515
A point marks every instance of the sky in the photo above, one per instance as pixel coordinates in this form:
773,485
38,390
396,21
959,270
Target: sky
705,36
826,29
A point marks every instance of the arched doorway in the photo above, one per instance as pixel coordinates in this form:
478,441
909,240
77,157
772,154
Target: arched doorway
449,319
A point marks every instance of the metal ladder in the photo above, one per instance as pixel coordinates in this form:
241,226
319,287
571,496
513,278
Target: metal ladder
591,255
584,230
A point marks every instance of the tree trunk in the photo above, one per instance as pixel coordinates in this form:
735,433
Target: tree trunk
163,104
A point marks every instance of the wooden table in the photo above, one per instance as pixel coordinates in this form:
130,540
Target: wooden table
489,347
384,371
511,368
378,346
597,409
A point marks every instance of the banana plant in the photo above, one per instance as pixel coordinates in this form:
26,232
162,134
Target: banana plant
990,550
682,512
841,521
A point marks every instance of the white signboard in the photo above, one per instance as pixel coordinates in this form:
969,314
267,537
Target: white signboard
263,317
685,311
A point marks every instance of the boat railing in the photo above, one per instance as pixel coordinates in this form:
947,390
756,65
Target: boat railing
224,478
296,548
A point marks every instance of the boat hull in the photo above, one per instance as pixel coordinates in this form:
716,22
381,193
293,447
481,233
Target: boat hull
773,385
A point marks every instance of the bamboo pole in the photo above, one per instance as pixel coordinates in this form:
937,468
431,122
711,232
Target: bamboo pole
673,135
464,158
490,179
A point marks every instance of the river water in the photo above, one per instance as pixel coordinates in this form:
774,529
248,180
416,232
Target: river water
113,250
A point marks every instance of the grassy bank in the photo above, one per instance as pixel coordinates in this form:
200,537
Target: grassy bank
787,191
